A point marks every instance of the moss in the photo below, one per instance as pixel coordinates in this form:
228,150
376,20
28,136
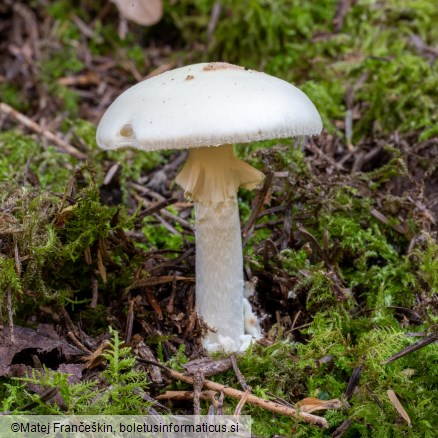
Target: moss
119,391
26,160
394,86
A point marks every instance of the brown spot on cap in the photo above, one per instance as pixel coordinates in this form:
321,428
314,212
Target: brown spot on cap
189,77
213,66
126,131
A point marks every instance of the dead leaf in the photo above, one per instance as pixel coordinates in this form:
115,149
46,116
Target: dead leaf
28,342
312,404
156,281
398,406
63,216
154,303
145,12
96,358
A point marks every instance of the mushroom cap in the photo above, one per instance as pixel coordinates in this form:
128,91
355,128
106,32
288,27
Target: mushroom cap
208,104
145,12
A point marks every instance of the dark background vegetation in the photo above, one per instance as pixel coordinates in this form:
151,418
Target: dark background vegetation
341,243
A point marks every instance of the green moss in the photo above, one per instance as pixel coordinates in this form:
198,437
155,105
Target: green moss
90,221
22,154
11,95
119,391
395,87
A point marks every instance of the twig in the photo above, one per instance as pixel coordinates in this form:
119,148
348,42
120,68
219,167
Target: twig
297,315
411,348
44,397
153,208
341,12
214,19
207,367
239,375
374,397
110,174
94,291
143,351
171,264
10,315
310,146
254,400
161,69
382,218
129,322
163,212
198,383
188,395
153,302
242,402
342,429
77,342
8,110
354,381
249,226
287,230
300,327
156,281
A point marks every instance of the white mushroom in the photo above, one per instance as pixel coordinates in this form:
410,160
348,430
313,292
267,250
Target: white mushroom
145,12
197,107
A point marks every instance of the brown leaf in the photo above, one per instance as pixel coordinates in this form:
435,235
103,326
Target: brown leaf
95,359
36,343
63,216
145,12
398,406
156,281
153,303
311,404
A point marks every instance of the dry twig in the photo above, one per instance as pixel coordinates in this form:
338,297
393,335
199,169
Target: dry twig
411,348
188,395
238,373
254,400
28,123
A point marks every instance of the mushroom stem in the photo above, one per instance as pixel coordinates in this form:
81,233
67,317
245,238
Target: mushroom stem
211,177
219,273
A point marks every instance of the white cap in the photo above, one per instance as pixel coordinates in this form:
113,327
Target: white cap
206,105
145,12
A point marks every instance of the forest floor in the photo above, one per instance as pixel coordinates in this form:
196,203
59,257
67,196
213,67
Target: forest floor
97,249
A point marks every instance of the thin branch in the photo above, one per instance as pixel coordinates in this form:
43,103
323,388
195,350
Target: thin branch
238,373
254,400
249,226
8,110
411,348
188,395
